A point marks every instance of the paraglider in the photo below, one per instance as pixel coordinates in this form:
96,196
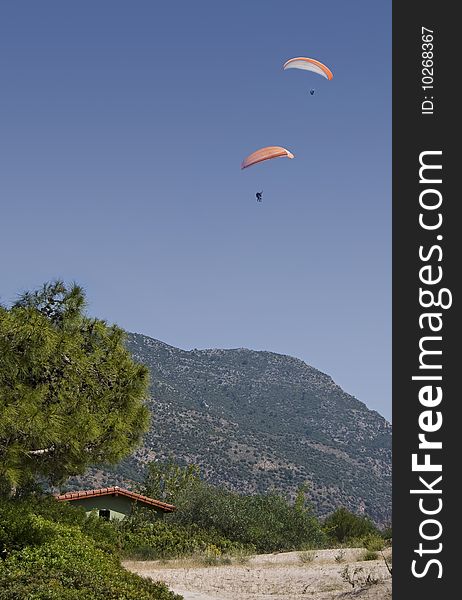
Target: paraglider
309,64
270,152
266,153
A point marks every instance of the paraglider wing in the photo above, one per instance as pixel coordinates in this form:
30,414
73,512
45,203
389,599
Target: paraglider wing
309,64
265,154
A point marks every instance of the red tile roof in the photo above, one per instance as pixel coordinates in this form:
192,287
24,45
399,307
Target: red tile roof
115,490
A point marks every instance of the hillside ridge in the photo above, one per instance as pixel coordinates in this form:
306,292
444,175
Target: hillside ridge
256,421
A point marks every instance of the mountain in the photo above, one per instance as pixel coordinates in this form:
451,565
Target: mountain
257,421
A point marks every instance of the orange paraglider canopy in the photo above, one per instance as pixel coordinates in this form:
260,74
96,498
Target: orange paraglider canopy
309,64
265,154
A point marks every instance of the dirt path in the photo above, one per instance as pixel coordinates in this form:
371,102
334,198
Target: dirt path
316,575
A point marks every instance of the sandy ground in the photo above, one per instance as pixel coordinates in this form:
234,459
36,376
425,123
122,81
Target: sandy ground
285,576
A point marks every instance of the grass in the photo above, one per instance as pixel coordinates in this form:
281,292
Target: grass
307,557
369,555
191,562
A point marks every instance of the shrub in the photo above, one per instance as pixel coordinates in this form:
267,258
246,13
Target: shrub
343,526
18,529
386,533
266,521
162,540
46,560
307,557
373,542
369,555
18,523
356,577
70,567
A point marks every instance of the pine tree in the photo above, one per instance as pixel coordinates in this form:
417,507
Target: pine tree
70,393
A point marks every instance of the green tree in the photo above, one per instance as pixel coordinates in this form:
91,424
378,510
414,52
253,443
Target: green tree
301,503
70,393
166,480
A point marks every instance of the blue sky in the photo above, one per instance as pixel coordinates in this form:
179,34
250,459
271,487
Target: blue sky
123,126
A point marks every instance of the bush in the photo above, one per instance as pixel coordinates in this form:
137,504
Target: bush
343,526
373,542
19,529
265,521
18,523
70,567
387,533
369,555
162,540
307,557
47,560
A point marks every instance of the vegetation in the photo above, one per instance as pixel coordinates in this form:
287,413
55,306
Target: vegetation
258,421
52,552
373,544
71,395
162,540
266,522
307,557
356,577
167,480
343,526
369,555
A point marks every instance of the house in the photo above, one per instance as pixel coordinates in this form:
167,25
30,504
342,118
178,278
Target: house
114,502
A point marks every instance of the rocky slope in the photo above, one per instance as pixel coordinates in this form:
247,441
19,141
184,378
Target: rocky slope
257,421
